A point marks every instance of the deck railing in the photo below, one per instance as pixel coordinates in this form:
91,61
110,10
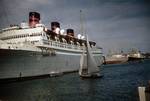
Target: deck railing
62,45
65,45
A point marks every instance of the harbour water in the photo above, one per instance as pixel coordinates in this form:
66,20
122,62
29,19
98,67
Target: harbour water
119,83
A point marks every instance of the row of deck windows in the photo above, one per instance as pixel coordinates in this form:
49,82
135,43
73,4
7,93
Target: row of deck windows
21,36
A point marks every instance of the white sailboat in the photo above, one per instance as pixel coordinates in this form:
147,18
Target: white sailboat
88,66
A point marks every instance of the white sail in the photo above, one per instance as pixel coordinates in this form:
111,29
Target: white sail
83,63
92,66
88,66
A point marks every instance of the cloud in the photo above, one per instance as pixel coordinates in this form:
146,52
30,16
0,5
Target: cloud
111,23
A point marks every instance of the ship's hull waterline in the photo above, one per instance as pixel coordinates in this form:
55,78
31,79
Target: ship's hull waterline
21,63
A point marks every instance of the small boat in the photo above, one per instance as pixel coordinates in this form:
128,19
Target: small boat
88,67
116,59
135,55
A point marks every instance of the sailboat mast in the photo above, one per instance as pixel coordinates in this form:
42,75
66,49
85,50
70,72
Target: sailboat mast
87,51
81,23
83,33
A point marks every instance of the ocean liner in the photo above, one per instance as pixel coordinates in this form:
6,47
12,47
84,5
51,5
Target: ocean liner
32,49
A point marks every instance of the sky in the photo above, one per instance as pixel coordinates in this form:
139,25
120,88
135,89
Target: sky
114,25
